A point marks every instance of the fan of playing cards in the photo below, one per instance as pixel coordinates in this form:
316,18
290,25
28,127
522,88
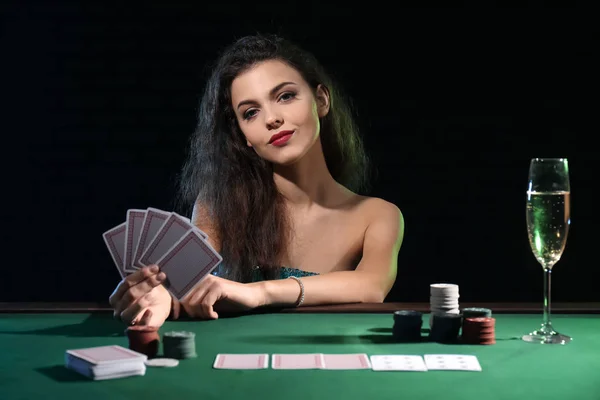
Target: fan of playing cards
167,239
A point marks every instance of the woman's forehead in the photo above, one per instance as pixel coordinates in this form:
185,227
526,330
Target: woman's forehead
262,77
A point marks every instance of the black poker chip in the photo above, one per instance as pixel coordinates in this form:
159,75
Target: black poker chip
445,327
407,325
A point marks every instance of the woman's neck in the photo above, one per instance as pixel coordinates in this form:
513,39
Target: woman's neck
308,181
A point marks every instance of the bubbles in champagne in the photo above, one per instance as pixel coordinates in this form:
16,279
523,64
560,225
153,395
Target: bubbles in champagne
548,219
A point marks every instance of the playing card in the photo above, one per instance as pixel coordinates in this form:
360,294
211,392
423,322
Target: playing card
346,361
241,361
189,221
297,361
454,362
115,241
187,262
106,355
169,233
398,363
154,220
135,220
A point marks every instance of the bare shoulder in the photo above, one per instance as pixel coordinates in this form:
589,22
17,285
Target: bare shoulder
381,206
375,208
382,238
382,218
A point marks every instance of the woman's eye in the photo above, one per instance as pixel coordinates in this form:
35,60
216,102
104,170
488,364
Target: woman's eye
287,96
249,114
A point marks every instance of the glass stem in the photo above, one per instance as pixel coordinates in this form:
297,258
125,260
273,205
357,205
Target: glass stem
547,274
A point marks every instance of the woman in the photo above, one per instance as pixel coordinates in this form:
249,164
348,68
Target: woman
272,175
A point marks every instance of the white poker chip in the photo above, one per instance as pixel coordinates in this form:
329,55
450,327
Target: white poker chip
444,286
162,362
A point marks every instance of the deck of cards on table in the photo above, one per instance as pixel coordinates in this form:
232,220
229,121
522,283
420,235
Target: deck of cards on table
106,362
167,239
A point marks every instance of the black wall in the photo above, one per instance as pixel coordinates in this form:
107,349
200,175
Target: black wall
99,103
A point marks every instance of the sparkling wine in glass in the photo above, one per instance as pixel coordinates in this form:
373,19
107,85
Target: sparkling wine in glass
548,220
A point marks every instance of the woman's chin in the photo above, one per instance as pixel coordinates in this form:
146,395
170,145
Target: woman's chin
286,157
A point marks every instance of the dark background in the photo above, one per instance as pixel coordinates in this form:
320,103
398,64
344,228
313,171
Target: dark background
99,102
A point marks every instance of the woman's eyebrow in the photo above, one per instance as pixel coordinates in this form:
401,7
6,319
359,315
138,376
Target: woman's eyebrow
271,92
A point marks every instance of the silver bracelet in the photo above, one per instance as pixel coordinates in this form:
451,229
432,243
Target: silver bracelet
301,297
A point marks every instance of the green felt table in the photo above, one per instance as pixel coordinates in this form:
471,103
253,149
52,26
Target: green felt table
33,342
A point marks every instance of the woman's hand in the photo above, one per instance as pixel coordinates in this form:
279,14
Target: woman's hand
140,292
217,294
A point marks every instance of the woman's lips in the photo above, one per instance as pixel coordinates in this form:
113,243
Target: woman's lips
280,138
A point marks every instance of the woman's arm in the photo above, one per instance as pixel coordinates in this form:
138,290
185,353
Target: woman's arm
369,283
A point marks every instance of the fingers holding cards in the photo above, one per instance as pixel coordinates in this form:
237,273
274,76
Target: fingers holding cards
130,292
146,317
130,281
137,308
151,278
166,239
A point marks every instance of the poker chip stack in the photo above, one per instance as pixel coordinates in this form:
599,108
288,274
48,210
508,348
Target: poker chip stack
478,326
143,339
443,300
445,327
407,326
179,345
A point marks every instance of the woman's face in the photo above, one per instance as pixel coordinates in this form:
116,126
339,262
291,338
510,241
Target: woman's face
277,111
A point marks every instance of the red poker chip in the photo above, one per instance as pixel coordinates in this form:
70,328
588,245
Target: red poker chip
143,339
479,320
485,337
479,330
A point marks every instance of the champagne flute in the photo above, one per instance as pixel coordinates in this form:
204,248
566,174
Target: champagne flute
548,221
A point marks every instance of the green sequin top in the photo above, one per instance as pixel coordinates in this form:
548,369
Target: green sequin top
285,272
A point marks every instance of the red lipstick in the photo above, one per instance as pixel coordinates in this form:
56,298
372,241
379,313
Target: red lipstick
280,138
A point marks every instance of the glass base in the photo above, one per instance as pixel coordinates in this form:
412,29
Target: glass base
546,335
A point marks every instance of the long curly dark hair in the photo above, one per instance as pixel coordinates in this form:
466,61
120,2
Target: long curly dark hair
233,184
